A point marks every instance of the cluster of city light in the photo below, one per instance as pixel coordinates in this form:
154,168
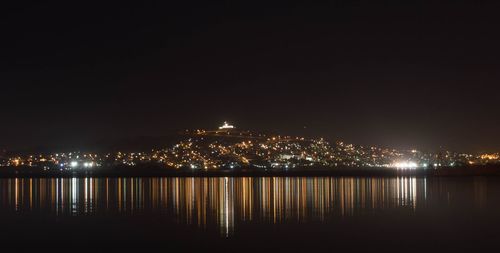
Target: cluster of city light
405,165
205,149
490,156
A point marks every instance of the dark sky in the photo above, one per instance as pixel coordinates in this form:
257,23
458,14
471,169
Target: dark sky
396,74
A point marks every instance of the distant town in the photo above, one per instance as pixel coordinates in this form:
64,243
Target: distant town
227,148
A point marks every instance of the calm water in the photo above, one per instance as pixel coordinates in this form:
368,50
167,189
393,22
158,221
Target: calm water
248,214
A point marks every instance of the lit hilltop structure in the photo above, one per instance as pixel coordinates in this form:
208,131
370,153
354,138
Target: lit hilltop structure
226,130
226,126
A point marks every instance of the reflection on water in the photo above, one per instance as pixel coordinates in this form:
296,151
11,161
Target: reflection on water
223,202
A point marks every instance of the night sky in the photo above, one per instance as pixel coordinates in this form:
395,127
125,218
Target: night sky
401,75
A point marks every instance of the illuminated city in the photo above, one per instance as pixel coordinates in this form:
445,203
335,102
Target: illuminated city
250,126
229,148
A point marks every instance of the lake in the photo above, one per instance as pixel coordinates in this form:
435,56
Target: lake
249,214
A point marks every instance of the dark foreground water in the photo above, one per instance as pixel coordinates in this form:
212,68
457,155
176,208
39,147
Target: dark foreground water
275,214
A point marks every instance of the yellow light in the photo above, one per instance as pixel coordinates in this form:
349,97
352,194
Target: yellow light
490,157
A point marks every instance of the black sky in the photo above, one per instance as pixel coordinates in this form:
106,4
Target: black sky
395,74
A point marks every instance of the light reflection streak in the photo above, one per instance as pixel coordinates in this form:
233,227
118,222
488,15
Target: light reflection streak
217,202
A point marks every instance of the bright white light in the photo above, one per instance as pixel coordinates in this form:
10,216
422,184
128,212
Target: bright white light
73,164
226,126
405,165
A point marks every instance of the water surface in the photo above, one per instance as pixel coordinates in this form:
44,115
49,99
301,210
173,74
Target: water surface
251,213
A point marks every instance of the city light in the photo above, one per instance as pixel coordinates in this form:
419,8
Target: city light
226,126
235,149
405,165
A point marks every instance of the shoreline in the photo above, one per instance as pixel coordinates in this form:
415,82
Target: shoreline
152,171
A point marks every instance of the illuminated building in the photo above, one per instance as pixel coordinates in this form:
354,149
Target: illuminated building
226,126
